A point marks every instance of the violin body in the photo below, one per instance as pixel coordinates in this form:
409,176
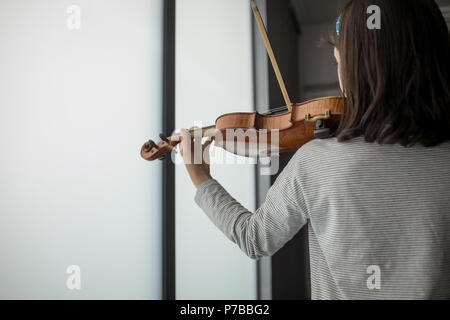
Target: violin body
291,128
257,135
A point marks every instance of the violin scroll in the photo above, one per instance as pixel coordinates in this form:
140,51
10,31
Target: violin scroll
157,151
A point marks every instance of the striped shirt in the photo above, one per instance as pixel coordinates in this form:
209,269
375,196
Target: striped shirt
378,218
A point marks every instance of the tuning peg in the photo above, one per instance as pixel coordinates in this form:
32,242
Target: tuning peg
153,144
163,137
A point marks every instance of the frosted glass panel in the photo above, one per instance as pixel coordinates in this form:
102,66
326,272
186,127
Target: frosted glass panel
80,90
213,76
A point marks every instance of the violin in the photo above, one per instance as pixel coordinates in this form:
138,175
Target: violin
285,129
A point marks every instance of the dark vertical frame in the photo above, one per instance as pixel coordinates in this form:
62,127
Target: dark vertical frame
168,181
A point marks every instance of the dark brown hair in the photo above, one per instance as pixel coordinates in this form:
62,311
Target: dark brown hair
395,79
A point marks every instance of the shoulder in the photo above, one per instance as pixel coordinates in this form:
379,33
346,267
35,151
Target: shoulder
323,148
324,156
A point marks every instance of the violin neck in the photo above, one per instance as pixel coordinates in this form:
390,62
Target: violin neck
195,132
203,130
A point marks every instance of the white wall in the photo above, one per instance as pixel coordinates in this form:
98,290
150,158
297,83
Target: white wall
214,76
75,108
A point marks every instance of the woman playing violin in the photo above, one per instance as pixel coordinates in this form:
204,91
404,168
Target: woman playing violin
375,197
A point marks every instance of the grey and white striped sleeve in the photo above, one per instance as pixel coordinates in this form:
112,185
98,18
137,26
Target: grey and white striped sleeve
267,230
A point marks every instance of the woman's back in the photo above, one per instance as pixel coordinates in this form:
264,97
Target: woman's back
379,219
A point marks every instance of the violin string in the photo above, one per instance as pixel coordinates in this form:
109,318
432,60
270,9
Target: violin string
271,111
279,109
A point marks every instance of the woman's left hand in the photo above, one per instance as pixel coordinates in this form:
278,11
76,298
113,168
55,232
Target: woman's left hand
197,165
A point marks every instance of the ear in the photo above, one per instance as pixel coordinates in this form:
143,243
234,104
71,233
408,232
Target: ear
339,69
337,55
